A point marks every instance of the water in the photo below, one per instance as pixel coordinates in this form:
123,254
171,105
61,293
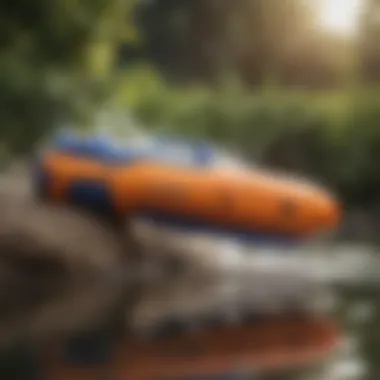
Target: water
360,311
357,306
346,276
346,273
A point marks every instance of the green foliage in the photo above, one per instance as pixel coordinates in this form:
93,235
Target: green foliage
56,62
199,40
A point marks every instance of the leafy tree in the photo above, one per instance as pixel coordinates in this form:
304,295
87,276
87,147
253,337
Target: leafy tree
55,61
257,39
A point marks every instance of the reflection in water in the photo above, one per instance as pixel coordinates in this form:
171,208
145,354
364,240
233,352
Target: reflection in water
332,273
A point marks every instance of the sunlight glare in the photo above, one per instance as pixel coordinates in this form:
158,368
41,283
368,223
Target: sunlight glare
339,16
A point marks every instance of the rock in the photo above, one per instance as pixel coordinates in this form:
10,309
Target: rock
53,266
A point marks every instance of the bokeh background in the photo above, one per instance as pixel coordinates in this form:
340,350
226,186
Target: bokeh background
292,84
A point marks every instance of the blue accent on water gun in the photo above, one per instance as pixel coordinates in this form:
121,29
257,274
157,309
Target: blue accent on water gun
97,147
92,195
102,148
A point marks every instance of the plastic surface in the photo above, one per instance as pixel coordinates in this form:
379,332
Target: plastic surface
161,149
97,148
151,177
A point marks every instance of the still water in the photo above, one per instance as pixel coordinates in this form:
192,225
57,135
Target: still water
347,274
349,277
359,311
355,300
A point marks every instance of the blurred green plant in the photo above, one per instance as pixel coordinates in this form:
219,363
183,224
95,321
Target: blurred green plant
56,62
